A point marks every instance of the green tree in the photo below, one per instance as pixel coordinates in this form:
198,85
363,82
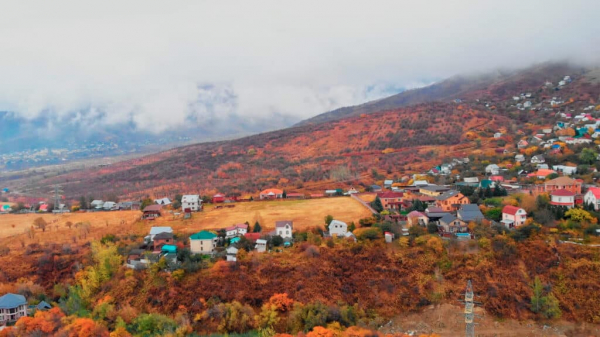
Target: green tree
277,241
377,205
83,203
494,214
146,202
284,195
153,325
587,156
328,220
552,176
257,228
432,228
537,297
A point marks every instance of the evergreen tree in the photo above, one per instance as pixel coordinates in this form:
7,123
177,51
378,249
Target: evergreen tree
488,192
83,203
257,228
377,205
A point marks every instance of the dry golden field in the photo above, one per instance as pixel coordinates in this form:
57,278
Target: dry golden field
14,228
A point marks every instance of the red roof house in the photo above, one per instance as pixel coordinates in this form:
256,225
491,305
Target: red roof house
218,198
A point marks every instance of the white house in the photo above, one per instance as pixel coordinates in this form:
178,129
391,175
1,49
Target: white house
492,169
108,205
338,228
12,307
562,198
192,202
592,197
236,230
519,158
261,245
163,201
232,253
538,159
513,216
284,229
568,170
497,135
97,204
527,104
522,144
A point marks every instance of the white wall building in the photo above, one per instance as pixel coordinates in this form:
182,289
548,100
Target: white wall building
191,201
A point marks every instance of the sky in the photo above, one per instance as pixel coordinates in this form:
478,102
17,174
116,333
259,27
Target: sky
161,65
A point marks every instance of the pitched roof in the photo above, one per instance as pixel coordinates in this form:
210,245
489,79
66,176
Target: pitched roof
10,301
158,230
153,208
390,195
272,191
219,195
190,198
448,218
509,209
562,193
43,305
252,236
163,235
595,191
562,181
447,195
415,214
337,222
283,223
203,235
469,212
543,173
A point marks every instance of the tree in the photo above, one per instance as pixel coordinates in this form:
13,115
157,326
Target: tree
432,228
467,190
284,194
40,223
328,220
277,241
552,176
536,298
83,203
494,214
548,306
377,205
579,215
146,202
257,228
587,156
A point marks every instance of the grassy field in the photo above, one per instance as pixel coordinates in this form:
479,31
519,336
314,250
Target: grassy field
304,213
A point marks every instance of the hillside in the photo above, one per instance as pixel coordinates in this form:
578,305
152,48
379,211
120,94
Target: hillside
460,86
353,151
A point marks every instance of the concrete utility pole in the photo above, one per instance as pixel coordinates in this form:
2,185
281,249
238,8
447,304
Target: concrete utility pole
57,196
469,311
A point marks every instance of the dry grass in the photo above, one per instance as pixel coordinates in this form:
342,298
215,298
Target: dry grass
304,213
368,197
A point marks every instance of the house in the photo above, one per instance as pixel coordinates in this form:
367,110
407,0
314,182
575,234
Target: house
562,198
492,169
109,205
541,173
376,188
157,230
284,229
203,242
294,196
338,228
271,193
252,236
446,169
43,306
522,144
451,224
152,211
469,212
420,183
236,230
497,178
563,183
568,170
391,200
497,135
97,204
163,201
134,258
547,131
161,239
538,159
191,202
388,237
471,180
12,307
450,200
433,190
388,183
44,208
261,245
218,198
542,166
352,190
592,197
331,193
416,218
434,171
232,253
513,216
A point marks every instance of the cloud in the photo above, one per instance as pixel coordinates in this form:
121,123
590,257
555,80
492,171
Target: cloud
160,66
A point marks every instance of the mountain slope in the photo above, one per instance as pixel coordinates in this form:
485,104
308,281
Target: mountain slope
353,151
449,89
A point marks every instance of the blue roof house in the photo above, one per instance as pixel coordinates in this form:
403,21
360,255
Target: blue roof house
12,307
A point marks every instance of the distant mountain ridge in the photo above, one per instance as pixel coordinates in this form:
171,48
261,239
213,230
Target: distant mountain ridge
446,90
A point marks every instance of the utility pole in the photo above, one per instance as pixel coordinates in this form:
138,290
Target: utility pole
57,195
469,312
